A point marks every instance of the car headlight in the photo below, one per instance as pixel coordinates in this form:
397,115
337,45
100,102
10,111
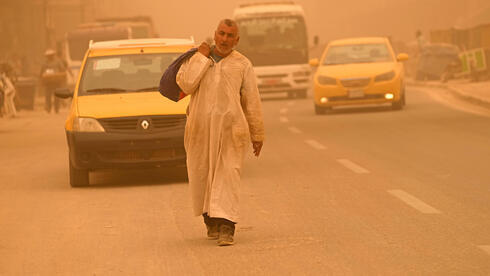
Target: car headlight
385,77
82,124
324,80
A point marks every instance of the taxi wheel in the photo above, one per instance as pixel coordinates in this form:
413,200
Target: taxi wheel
78,177
320,110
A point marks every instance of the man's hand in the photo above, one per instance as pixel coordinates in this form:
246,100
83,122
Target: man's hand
204,49
257,147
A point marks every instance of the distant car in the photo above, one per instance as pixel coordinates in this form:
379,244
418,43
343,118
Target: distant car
118,119
438,62
358,71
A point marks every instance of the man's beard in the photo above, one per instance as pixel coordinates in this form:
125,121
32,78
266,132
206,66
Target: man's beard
223,51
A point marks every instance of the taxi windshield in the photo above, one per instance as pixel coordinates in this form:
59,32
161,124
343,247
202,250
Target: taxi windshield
124,73
357,53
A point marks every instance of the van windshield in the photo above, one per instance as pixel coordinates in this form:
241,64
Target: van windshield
357,53
275,40
124,73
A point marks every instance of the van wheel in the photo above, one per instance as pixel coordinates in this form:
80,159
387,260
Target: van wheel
78,177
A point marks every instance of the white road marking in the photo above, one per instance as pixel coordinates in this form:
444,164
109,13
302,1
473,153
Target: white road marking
283,119
352,166
414,202
314,144
291,103
295,130
485,248
283,110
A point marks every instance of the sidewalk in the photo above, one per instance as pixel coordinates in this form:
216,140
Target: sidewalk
474,92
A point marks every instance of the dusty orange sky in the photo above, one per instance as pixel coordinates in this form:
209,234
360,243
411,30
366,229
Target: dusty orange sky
327,18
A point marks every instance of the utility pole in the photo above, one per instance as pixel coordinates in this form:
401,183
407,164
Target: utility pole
83,7
46,23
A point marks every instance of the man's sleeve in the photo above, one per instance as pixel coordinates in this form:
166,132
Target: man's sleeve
251,105
191,72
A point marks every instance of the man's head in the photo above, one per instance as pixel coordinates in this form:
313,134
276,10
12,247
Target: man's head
50,54
226,36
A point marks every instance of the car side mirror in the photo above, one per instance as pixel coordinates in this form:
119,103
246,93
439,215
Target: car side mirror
402,57
63,93
314,62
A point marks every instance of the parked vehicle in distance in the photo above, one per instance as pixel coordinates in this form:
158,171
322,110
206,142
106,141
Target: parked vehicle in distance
274,37
140,26
358,71
118,119
77,42
439,61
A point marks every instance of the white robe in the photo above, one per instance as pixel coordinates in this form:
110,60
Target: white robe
9,96
224,116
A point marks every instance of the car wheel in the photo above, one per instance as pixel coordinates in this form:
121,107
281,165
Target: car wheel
78,177
319,110
399,104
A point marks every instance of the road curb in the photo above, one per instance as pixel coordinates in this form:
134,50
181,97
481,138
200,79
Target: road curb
454,91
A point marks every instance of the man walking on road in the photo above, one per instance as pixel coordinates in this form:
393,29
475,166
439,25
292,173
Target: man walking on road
53,75
224,115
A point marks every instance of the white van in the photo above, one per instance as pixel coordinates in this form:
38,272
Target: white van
77,41
273,36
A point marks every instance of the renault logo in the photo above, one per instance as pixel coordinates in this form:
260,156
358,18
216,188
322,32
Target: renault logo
145,124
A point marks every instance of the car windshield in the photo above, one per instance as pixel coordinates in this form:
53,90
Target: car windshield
125,73
357,53
273,40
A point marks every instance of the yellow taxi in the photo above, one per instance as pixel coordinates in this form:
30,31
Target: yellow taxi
358,71
118,118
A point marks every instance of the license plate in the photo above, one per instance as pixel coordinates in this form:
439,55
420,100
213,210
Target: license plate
356,94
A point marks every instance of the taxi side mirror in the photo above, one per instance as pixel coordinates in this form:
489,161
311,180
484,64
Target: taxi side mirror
402,57
314,62
63,93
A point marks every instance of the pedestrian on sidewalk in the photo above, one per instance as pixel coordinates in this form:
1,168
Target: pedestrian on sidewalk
224,115
53,76
8,91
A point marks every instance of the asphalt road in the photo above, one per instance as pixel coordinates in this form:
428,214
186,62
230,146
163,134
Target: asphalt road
356,192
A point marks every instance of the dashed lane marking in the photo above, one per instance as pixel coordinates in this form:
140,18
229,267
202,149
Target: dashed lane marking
283,110
314,144
295,130
283,119
414,202
352,166
485,248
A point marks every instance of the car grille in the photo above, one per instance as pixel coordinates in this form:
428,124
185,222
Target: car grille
149,155
272,76
366,97
357,82
270,86
134,124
